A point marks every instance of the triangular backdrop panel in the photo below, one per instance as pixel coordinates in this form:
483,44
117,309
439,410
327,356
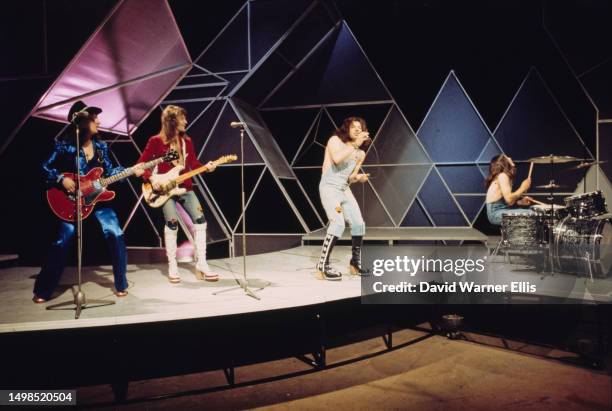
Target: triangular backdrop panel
397,186
605,149
298,198
315,24
471,205
330,75
121,51
396,143
534,125
416,216
372,210
279,219
256,127
202,117
452,130
465,178
270,20
230,50
598,82
439,202
289,127
325,129
226,180
225,140
310,178
312,152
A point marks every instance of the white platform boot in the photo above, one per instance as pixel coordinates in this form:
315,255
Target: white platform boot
203,271
170,241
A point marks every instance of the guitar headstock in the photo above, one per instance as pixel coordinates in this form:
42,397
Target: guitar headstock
171,155
226,159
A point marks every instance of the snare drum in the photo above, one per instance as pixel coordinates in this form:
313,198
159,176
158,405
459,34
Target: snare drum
586,205
559,212
522,231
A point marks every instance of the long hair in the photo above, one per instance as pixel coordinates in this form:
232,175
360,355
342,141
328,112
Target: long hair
343,131
499,164
169,120
82,125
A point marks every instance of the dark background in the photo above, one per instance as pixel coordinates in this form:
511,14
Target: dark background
491,46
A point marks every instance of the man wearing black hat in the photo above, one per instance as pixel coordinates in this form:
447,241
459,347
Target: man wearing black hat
93,153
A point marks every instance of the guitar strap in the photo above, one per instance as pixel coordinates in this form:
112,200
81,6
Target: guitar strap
184,151
181,150
100,156
182,154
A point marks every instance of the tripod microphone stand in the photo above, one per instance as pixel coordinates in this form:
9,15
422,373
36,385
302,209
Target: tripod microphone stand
80,301
243,283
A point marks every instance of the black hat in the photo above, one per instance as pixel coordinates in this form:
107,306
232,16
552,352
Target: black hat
81,110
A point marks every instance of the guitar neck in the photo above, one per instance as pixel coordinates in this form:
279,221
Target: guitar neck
128,172
190,174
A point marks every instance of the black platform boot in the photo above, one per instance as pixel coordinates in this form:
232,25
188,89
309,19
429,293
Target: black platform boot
355,264
324,270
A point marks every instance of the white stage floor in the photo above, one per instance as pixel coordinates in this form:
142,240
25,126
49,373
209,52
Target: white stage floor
291,274
152,298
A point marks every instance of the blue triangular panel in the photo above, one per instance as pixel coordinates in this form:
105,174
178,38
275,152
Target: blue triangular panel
453,130
439,202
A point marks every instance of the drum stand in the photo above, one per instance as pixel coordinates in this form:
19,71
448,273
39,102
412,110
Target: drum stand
552,216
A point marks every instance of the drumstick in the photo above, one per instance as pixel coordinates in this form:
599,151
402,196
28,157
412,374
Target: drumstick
539,202
530,170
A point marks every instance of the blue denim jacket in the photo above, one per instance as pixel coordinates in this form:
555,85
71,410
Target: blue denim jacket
62,160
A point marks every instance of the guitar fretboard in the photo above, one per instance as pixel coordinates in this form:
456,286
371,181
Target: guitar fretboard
201,169
128,172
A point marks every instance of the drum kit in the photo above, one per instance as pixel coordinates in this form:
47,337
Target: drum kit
575,238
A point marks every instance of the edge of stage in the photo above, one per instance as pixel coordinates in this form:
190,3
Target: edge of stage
161,329
292,284
153,299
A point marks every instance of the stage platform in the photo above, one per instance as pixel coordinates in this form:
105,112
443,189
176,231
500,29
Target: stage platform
152,298
8,257
162,329
292,284
394,234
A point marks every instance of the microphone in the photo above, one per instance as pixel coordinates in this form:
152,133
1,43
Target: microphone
78,116
236,124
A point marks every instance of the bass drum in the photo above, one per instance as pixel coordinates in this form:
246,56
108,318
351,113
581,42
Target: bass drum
522,232
583,247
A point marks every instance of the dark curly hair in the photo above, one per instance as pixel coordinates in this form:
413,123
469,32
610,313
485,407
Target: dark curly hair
343,131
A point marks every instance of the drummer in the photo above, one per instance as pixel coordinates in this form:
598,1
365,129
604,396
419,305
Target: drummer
500,197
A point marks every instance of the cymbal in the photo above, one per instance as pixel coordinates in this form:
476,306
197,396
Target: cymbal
551,186
552,159
585,165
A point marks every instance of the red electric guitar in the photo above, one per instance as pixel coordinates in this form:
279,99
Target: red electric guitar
93,189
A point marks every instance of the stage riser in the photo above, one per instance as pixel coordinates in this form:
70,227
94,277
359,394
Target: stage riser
127,353
145,351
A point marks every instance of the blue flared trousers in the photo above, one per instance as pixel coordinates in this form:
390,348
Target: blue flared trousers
52,268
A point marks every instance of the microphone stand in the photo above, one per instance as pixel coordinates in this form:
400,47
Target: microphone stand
80,301
243,283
